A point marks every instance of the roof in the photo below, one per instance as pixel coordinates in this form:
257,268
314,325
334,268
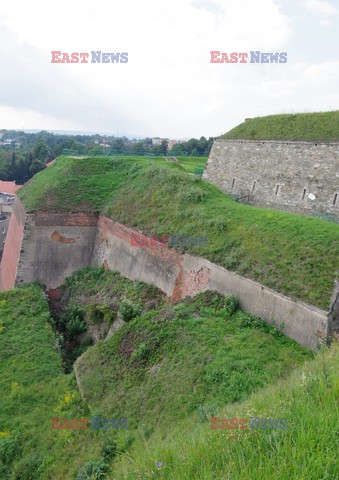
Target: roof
9,187
50,163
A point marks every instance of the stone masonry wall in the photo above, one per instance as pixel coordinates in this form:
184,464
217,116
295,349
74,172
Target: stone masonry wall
299,177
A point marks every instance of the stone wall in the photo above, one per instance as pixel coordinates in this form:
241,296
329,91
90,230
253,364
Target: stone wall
299,177
49,247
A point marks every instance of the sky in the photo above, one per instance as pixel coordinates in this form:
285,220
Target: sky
168,88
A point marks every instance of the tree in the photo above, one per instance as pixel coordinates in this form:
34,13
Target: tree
164,146
40,151
12,172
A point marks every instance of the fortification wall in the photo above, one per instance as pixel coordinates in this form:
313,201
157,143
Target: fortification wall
299,177
11,252
53,246
186,275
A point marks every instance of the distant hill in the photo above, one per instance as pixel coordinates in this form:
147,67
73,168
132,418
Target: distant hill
321,126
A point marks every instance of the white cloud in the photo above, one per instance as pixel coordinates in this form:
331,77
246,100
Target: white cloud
320,7
168,87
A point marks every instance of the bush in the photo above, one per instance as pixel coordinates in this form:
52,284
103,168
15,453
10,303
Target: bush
8,450
95,314
27,467
232,304
129,311
108,449
93,470
206,411
74,322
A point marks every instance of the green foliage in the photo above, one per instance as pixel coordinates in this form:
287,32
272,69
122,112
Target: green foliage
306,449
93,470
108,449
129,311
170,348
74,322
232,304
9,449
192,360
320,126
95,314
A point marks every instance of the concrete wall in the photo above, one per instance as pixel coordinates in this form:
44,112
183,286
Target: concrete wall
300,177
11,252
55,245
185,275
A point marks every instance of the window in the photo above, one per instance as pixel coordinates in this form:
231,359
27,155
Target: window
233,182
304,193
335,198
254,184
277,189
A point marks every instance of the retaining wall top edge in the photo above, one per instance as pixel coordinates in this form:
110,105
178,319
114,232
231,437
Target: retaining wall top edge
257,284
283,142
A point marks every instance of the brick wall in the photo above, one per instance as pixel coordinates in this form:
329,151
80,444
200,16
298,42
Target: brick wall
11,253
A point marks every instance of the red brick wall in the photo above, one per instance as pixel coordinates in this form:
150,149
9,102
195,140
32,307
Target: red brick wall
11,255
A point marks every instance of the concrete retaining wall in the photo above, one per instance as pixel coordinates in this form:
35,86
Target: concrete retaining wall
299,177
56,245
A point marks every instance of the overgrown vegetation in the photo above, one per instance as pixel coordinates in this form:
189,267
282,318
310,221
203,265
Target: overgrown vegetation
306,449
171,363
293,254
312,127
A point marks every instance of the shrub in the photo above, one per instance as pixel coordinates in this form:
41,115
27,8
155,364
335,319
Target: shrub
232,304
98,313
129,311
108,449
206,411
8,450
27,467
93,470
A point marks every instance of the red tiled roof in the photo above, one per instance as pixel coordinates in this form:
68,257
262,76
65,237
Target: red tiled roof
9,187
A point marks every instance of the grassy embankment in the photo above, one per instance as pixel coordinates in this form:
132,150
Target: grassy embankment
167,370
318,126
168,364
293,254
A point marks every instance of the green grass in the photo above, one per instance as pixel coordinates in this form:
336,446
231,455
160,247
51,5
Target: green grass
305,450
167,371
172,361
33,389
321,127
293,254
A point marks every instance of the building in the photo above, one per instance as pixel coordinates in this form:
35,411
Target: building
7,195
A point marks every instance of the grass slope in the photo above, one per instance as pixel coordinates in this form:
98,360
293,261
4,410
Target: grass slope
202,358
322,126
174,360
305,450
292,254
33,388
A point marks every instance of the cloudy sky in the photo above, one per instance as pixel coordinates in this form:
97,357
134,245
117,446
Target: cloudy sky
168,87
